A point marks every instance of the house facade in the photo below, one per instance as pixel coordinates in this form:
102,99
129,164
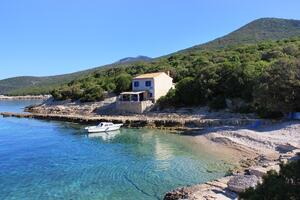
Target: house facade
146,90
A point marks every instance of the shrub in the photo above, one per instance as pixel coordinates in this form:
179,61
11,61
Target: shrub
285,185
123,83
186,92
217,103
167,101
93,93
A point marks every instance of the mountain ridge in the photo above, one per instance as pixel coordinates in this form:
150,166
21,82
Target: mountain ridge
256,31
253,32
134,59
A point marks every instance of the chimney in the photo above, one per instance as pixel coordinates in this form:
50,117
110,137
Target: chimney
168,73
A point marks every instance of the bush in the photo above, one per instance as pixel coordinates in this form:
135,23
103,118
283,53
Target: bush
123,83
93,93
186,92
217,103
167,101
285,185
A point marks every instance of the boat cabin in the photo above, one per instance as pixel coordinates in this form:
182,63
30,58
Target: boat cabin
105,124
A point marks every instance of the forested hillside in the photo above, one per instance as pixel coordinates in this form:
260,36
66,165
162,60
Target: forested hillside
263,77
31,85
256,31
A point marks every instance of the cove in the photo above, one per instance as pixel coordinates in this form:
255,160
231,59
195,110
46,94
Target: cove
58,160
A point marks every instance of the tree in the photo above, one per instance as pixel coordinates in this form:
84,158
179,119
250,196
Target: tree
186,92
93,93
123,83
278,89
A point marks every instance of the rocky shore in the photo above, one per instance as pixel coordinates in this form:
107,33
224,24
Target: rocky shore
259,150
27,97
169,122
259,145
228,188
183,118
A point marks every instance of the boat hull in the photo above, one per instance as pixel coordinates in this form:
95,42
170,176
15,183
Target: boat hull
95,129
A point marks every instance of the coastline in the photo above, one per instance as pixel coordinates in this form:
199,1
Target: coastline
168,122
254,147
257,151
26,97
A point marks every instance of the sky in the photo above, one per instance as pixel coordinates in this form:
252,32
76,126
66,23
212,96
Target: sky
51,37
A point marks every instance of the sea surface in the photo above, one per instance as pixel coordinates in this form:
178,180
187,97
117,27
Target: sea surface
42,159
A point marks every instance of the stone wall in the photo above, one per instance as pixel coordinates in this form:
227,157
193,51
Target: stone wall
133,107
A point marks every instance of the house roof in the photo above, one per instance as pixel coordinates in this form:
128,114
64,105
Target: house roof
149,75
138,92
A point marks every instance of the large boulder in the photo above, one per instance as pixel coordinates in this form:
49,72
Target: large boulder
242,182
258,171
262,171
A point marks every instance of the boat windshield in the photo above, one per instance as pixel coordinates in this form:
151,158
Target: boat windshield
105,124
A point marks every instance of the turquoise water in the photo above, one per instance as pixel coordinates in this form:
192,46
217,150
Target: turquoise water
16,105
56,160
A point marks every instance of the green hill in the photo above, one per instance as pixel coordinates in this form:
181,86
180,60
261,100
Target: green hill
24,85
256,31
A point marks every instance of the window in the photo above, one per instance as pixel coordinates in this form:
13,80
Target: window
136,84
148,83
134,97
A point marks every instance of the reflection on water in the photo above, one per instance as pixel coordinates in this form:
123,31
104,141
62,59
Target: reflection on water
104,135
57,160
163,151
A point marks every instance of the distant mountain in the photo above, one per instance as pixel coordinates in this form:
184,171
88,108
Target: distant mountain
256,31
134,59
47,83
23,85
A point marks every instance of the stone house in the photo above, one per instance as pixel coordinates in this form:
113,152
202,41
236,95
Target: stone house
146,90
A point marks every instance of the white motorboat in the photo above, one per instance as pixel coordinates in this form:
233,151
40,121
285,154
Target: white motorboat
103,127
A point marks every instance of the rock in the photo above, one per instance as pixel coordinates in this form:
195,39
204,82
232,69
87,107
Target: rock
274,167
296,151
212,190
177,194
242,182
284,148
259,171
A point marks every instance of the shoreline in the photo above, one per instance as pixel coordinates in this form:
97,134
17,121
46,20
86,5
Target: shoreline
256,149
158,122
26,97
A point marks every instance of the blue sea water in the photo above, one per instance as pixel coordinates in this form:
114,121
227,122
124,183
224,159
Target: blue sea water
58,160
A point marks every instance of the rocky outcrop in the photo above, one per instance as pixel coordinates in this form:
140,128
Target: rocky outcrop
260,171
180,193
242,182
69,107
228,187
212,190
